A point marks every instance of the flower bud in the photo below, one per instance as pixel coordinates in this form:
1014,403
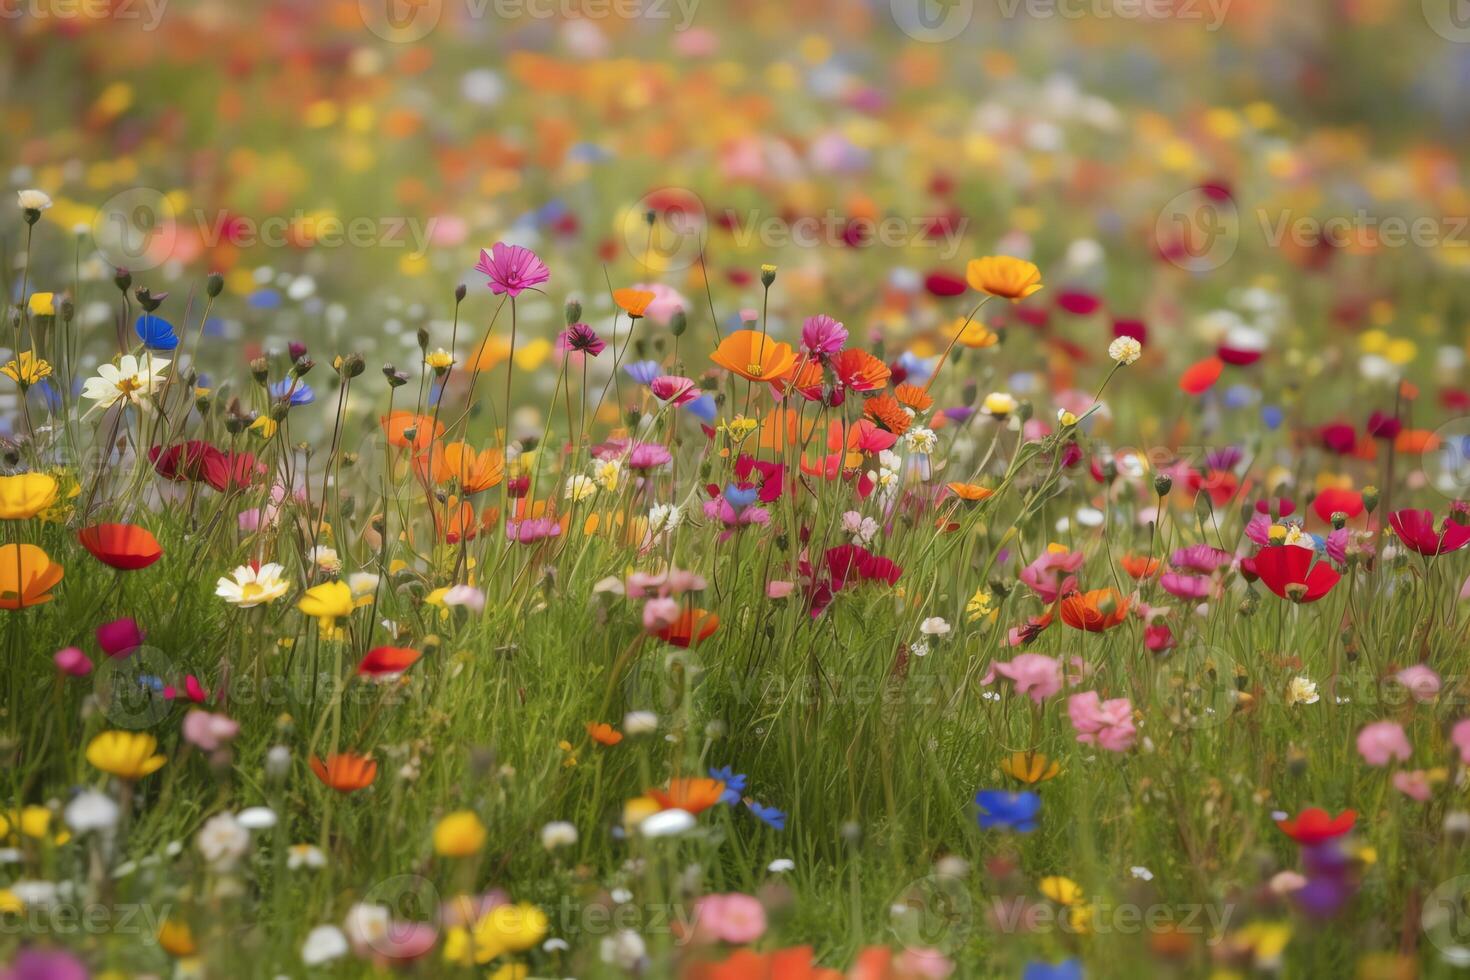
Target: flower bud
768,275
573,312
1163,483
1370,499
678,323
214,285
260,370
122,279
459,293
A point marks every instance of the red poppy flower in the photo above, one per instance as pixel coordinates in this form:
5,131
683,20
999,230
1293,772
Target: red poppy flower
1334,499
693,626
943,283
1415,529
746,964
123,546
1313,825
1292,573
1139,567
383,661
1200,376
1339,438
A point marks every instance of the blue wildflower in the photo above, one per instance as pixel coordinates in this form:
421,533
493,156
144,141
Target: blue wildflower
1272,416
1008,811
740,498
643,372
734,784
156,332
703,408
767,815
301,394
1065,970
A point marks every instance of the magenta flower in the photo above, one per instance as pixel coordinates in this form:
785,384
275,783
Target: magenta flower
1034,674
70,660
1185,586
511,269
581,338
531,530
1108,724
823,336
1199,558
672,388
647,455
119,637
1382,742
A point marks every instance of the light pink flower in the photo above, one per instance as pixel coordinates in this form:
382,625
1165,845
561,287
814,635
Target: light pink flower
1460,735
1421,681
1051,575
734,918
1034,674
208,731
1413,784
1108,724
70,660
660,613
1381,742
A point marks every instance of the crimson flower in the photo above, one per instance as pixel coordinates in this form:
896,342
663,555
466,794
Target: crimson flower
1314,825
1415,529
1290,572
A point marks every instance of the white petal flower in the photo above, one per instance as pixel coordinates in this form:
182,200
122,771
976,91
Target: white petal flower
323,944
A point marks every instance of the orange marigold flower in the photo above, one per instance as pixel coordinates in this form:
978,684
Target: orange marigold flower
346,772
695,794
603,734
1094,611
633,302
913,396
27,576
1003,276
887,412
1139,566
405,428
754,356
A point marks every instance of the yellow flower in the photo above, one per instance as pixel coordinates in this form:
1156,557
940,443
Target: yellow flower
1030,767
328,601
1063,891
126,755
26,370
638,808
439,359
1003,276
35,822
10,903
1267,940
972,333
504,929
177,939
25,495
460,834
264,426
43,304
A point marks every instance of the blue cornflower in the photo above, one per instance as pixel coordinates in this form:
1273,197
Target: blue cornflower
1008,811
264,299
1065,970
156,332
1272,415
741,498
703,408
768,815
300,395
734,783
643,372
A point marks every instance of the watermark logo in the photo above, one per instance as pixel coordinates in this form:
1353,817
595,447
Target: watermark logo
1198,230
1194,686
1446,460
1450,19
665,230
1445,919
935,912
932,21
135,691
400,21
136,229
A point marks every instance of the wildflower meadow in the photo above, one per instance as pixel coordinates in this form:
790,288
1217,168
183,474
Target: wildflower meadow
843,489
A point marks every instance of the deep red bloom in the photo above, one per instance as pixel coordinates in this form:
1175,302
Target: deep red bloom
1313,825
1382,426
197,461
1415,529
1338,437
383,661
119,637
942,282
124,546
1291,573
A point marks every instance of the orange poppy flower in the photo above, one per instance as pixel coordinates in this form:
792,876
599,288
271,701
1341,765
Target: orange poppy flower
1094,611
123,546
695,794
473,471
1139,567
860,370
971,492
1201,375
913,396
754,356
1030,767
27,576
693,626
633,302
805,376
1003,276
346,772
1416,441
781,964
603,734
398,425
887,412
462,523
383,661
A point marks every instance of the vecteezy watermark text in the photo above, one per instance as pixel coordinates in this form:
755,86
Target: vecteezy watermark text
148,13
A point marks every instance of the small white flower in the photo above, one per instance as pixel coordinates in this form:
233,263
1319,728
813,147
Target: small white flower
1141,873
639,722
35,893
223,841
34,200
1301,690
666,823
308,856
664,517
580,487
325,558
362,583
558,833
90,810
781,866
257,818
1125,350
323,944
934,626
248,587
556,945
467,596
130,381
624,949
919,648
622,896
889,460
921,440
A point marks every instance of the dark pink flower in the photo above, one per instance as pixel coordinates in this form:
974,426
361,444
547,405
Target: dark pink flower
119,637
581,338
511,269
823,336
70,660
673,388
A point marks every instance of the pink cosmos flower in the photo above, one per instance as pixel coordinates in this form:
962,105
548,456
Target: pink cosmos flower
532,529
1199,558
1380,742
1421,681
734,918
672,388
511,269
208,731
1185,586
70,660
1108,724
823,336
647,455
1034,674
1051,575
660,613
1258,529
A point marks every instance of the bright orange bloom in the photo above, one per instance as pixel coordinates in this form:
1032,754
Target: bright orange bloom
805,377
1200,376
860,371
781,964
473,471
633,302
1003,276
603,734
27,576
972,492
695,794
1139,567
1030,767
127,547
1094,611
913,396
397,426
754,356
381,661
693,626
346,772
887,412
1416,441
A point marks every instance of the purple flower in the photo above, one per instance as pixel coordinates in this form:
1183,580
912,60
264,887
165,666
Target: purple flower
581,338
511,269
44,964
822,335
